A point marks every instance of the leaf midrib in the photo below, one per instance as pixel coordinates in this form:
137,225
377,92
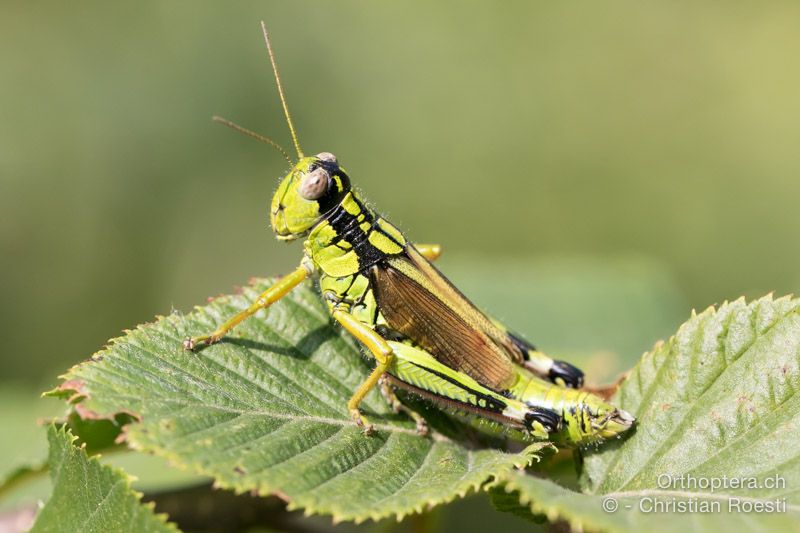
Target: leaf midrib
390,428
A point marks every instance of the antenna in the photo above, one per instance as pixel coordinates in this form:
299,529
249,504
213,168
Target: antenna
254,135
280,91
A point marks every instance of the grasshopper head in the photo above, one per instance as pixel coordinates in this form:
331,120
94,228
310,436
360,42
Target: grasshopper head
313,187
596,420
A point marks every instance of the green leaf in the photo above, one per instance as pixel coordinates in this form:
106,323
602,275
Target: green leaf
583,512
265,411
88,496
23,455
717,398
717,402
23,449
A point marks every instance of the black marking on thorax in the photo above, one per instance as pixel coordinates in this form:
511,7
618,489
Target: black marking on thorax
348,228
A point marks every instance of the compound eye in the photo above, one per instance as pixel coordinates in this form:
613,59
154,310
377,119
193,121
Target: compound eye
315,184
327,157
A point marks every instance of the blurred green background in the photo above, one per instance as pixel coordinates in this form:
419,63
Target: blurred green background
593,171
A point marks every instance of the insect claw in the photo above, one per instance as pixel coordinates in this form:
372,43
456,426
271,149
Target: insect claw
190,343
361,421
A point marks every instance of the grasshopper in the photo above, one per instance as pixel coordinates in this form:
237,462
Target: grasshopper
425,336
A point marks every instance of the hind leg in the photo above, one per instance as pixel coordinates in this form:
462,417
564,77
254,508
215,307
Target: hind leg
418,371
559,372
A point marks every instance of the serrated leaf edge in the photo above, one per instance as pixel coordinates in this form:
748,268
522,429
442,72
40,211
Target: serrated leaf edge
709,312
126,478
75,395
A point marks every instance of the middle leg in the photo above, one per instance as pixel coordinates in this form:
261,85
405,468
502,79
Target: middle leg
397,406
379,348
431,252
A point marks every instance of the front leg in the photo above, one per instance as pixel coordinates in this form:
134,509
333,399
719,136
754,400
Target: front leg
280,289
379,348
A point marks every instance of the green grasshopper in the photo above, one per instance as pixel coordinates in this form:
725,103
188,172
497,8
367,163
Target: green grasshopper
423,333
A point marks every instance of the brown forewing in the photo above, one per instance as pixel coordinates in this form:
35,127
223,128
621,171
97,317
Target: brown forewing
464,306
455,338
